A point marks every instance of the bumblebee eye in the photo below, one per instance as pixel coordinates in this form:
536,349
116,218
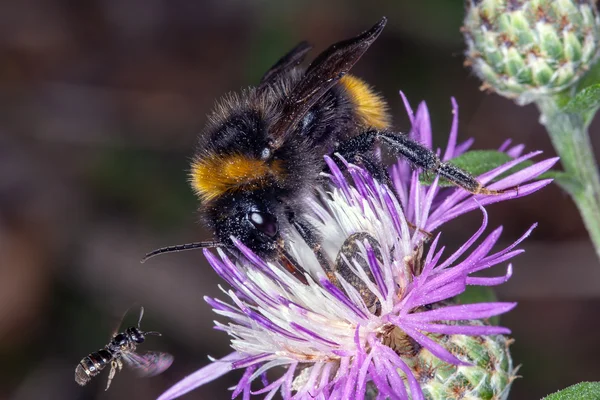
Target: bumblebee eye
264,222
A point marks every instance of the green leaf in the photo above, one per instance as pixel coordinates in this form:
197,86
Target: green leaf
580,391
477,162
586,100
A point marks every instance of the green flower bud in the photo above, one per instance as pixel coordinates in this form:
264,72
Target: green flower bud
524,49
489,376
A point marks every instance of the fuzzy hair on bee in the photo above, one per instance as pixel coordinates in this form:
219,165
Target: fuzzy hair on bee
262,151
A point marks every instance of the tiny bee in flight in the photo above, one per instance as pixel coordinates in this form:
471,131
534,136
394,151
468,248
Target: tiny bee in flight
262,152
121,349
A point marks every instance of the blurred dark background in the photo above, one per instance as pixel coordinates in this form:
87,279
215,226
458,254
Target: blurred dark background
100,104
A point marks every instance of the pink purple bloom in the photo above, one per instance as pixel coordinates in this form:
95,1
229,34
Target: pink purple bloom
322,338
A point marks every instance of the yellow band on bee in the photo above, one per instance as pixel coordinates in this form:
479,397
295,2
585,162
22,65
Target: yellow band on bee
216,175
370,107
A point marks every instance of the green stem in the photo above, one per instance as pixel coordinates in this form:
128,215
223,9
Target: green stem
570,138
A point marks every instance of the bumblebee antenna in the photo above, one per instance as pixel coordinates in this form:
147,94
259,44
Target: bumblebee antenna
181,247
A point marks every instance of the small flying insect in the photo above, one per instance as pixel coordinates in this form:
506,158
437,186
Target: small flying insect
262,152
121,349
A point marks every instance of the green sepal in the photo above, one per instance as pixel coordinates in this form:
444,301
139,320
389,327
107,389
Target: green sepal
479,294
580,391
478,162
586,100
591,77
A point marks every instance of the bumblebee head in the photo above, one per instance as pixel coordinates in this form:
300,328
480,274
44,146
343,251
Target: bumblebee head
254,218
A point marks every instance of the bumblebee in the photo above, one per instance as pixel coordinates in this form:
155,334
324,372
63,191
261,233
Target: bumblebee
262,151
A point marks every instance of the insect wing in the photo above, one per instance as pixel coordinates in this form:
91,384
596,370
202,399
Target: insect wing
323,73
119,325
148,364
290,60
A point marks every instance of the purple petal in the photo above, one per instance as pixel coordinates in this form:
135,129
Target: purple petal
361,381
267,324
488,176
505,145
516,151
481,281
378,374
313,335
250,360
338,294
411,211
244,383
426,206
422,126
475,281
433,293
471,330
204,375
429,263
338,177
449,153
494,260
415,388
463,147
398,181
461,312
409,110
230,276
468,243
484,248
467,206
397,217
513,245
384,360
375,269
309,386
525,174
258,262
392,374
434,348
351,376
521,191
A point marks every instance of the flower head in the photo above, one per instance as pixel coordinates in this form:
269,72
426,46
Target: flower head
524,49
356,329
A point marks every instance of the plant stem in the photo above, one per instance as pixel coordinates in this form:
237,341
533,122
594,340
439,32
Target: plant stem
570,138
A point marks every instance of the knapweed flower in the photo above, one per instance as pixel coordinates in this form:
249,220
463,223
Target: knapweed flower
382,322
529,48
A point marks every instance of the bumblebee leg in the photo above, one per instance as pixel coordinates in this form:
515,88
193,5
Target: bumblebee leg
422,157
373,166
111,374
417,155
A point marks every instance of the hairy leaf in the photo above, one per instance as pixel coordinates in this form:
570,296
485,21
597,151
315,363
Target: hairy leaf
580,391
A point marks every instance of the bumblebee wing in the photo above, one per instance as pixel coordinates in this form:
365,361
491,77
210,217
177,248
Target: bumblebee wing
290,60
148,364
323,73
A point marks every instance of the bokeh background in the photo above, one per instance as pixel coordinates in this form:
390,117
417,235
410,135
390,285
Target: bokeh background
100,105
